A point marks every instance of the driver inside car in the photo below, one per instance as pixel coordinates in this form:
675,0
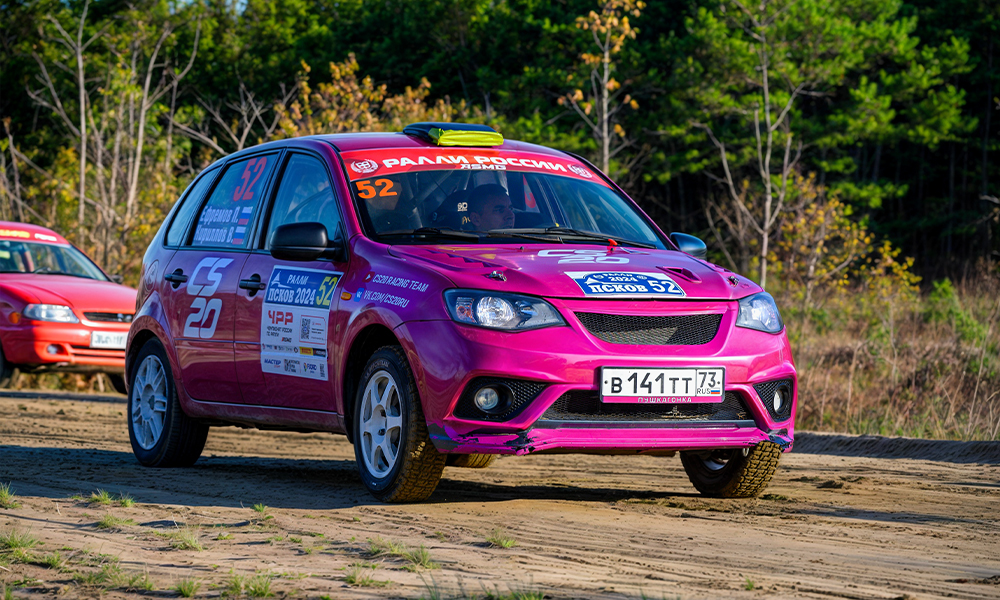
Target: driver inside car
490,208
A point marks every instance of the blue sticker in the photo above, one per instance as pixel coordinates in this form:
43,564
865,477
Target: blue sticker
626,285
301,287
359,294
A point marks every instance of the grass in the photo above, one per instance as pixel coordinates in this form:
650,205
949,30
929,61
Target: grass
379,546
15,539
260,508
185,539
363,575
187,588
111,576
101,497
8,594
749,585
53,561
224,536
259,586
501,539
125,501
234,585
420,557
109,521
7,498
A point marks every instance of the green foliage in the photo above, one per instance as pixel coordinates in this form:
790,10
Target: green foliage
7,498
187,588
944,307
501,539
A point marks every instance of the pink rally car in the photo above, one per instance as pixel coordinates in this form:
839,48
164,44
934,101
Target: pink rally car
442,296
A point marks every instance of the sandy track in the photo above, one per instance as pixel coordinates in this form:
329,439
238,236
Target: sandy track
586,526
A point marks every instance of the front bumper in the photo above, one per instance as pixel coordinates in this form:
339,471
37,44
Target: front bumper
29,345
567,360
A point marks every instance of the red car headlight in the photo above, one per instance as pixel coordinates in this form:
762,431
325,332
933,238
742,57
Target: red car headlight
55,313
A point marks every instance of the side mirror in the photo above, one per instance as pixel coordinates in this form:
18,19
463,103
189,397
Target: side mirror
116,278
689,244
299,241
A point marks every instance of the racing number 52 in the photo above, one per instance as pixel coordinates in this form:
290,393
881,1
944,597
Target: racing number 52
326,290
245,191
366,191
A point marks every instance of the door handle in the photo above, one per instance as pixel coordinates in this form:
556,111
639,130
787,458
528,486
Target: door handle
252,285
176,278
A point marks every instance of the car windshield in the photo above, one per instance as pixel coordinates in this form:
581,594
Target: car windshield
49,259
426,195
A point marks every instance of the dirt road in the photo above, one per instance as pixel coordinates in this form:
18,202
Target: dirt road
584,526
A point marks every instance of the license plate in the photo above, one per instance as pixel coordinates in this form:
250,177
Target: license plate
663,386
113,340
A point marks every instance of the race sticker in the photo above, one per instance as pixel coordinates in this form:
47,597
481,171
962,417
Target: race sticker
391,161
626,285
294,322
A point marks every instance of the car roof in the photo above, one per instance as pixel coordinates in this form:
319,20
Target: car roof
347,142
26,232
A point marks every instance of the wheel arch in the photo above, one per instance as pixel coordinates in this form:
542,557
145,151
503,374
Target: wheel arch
368,340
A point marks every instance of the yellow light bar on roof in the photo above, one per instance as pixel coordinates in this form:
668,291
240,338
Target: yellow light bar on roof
457,137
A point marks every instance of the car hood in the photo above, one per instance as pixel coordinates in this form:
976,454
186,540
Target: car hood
581,271
79,293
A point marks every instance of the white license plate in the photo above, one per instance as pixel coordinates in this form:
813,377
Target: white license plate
112,340
663,386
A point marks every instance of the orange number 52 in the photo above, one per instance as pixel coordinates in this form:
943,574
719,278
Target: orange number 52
366,191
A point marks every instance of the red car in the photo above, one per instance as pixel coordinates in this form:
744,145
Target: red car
58,310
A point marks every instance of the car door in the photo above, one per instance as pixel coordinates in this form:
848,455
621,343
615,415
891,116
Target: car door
283,312
203,276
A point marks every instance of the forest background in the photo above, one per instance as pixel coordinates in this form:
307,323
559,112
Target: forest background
841,152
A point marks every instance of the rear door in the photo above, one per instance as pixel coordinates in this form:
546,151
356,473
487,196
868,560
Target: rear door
283,312
203,275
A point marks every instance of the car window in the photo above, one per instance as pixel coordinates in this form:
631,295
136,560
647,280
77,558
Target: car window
47,259
226,218
189,204
304,195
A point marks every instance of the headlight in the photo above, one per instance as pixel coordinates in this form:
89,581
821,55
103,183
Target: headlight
497,310
50,312
761,313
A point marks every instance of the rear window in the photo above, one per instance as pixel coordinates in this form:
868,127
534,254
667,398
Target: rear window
189,204
226,218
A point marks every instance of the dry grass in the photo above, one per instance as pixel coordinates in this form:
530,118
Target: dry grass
928,369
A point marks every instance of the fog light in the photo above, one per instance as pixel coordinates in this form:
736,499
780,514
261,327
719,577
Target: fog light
487,399
52,349
779,401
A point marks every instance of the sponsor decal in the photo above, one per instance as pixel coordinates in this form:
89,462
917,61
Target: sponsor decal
383,298
626,285
399,282
358,295
294,317
364,167
205,310
401,160
15,233
46,237
569,257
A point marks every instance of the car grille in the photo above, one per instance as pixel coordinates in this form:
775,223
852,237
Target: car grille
586,405
106,317
523,393
675,330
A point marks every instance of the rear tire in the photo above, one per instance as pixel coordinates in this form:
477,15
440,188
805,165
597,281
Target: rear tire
396,459
472,461
160,433
739,473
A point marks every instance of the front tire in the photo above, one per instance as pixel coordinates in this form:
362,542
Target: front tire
160,433
396,459
739,473
118,383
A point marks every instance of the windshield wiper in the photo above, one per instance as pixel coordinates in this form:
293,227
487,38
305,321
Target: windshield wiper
596,236
432,232
45,271
525,234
